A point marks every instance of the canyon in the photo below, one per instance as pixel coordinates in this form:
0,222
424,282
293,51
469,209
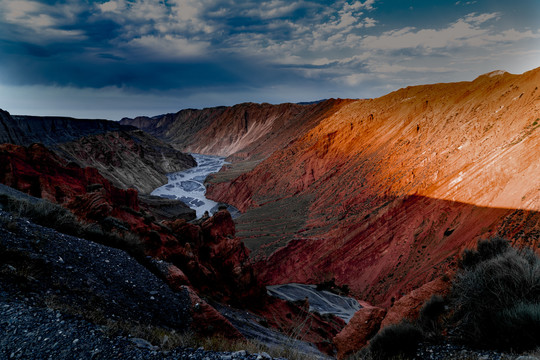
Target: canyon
377,196
380,194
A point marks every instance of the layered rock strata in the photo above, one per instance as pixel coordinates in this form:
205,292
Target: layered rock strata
385,193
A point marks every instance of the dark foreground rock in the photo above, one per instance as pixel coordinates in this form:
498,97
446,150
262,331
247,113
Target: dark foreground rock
458,352
62,297
34,332
79,277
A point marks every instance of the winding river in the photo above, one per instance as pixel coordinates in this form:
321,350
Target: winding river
188,185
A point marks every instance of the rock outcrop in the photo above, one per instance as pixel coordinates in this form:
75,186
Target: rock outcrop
129,159
408,307
362,327
37,171
385,193
214,260
48,130
166,209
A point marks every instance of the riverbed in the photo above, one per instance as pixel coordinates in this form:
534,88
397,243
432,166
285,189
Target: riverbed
323,302
188,185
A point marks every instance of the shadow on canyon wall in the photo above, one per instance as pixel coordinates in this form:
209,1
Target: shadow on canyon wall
400,246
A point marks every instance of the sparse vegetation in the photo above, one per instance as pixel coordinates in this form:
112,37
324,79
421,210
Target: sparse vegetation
430,317
395,342
494,304
495,298
219,343
109,232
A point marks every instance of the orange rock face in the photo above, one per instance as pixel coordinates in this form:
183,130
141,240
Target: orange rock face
409,306
364,325
396,187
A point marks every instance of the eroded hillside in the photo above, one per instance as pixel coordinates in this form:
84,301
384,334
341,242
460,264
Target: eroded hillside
128,157
244,131
384,193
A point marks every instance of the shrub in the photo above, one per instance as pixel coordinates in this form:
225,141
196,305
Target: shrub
486,249
520,325
495,297
430,317
43,213
398,341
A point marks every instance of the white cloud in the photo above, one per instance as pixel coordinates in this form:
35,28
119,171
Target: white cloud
162,30
357,5
395,68
111,6
353,79
167,47
273,9
41,20
478,19
464,32
369,22
344,41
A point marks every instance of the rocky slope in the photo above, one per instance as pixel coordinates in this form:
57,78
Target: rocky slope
384,193
129,158
26,130
246,131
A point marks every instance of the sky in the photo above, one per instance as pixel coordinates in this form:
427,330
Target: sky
124,58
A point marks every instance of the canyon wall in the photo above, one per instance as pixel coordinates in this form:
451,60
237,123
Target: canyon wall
128,157
49,130
384,193
245,132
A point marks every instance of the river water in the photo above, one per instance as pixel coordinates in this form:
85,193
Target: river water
323,302
188,185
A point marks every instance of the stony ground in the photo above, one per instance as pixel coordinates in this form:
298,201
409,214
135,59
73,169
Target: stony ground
456,352
30,331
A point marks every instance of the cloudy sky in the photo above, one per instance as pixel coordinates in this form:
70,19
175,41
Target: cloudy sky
116,58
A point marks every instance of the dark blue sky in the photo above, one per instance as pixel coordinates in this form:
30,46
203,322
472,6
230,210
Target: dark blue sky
118,58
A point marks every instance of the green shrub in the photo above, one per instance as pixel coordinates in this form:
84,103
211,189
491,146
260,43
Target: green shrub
495,297
398,341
